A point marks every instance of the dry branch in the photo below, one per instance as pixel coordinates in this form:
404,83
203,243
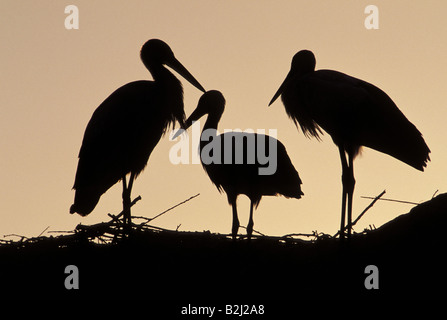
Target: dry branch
260,233
368,207
160,214
316,234
115,218
393,200
364,211
43,231
104,231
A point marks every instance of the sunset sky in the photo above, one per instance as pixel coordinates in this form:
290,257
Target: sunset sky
52,79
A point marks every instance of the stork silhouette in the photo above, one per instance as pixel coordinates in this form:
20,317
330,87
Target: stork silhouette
235,167
355,113
126,127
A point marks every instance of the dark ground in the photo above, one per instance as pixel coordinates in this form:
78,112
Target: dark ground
409,252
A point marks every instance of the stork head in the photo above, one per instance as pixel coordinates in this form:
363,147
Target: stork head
156,52
211,102
303,62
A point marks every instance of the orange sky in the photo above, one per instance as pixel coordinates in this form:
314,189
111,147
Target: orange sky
52,79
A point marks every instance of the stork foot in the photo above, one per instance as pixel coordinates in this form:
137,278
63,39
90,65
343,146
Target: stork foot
250,230
235,229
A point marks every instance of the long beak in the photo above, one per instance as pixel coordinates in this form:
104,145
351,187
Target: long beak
195,115
178,67
282,87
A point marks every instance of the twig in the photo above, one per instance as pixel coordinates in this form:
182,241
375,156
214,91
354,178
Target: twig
434,194
291,235
43,231
15,235
147,226
115,218
393,200
368,207
364,211
178,204
61,231
255,231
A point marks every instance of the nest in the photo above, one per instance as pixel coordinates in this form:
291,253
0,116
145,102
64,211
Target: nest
144,261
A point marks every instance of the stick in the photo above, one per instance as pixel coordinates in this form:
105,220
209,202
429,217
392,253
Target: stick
393,200
368,207
434,194
364,211
254,231
43,231
158,215
115,218
15,235
300,235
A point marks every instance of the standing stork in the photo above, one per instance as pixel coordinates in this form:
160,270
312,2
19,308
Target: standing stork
355,113
232,160
126,127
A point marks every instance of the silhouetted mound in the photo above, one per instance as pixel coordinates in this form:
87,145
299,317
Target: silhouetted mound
153,263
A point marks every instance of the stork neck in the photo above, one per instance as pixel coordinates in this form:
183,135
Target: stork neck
170,92
212,121
209,131
163,76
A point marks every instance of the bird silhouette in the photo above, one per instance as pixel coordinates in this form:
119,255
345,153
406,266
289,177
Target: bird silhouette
126,127
234,160
354,113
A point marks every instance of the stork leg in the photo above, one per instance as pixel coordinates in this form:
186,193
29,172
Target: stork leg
126,198
235,226
348,191
344,167
250,222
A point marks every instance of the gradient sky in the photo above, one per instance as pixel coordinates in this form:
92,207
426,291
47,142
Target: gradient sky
52,79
